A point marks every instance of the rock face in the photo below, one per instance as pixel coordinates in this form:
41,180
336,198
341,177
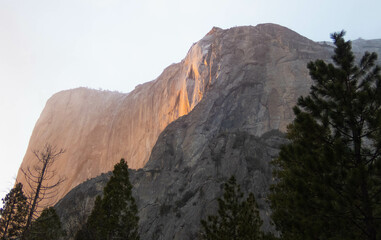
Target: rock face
235,91
98,128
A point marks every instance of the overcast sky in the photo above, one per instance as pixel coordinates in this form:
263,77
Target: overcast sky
51,45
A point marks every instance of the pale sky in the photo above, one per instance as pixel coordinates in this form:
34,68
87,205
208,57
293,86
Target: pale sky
51,45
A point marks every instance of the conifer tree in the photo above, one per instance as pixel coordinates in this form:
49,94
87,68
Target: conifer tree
115,216
46,227
13,214
328,178
237,219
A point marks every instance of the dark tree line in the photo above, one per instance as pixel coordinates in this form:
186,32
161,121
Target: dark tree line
114,215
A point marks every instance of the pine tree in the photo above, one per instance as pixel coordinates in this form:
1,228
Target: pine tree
13,214
329,175
46,227
115,215
237,218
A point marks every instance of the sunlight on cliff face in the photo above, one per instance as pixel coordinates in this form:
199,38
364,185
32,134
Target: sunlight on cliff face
196,63
196,73
184,107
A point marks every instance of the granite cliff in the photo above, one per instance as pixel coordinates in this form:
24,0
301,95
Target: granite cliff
221,111
98,128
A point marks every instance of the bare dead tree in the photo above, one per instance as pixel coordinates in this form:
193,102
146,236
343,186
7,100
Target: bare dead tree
39,181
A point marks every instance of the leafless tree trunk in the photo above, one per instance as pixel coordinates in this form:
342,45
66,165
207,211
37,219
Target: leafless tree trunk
38,178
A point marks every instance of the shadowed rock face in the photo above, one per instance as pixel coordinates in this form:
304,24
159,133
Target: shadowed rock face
241,84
